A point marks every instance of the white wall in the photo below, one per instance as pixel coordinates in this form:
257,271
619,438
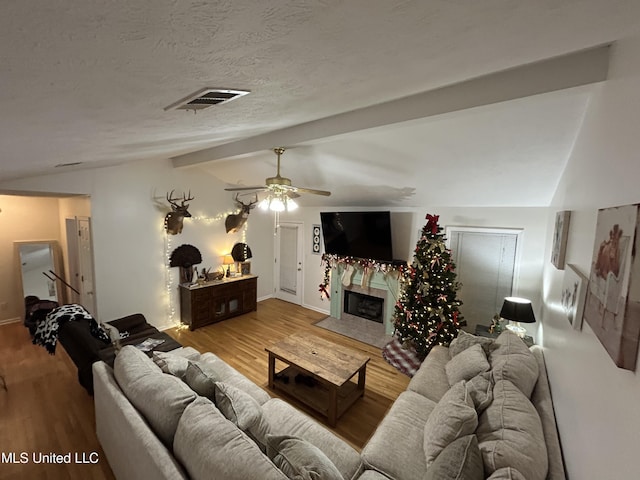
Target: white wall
597,404
128,206
407,225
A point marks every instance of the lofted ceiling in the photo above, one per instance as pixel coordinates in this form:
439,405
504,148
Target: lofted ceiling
89,82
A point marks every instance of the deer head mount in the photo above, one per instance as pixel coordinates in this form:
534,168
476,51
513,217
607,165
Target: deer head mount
173,220
235,221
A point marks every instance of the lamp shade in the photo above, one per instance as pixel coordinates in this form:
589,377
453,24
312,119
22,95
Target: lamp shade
227,260
517,310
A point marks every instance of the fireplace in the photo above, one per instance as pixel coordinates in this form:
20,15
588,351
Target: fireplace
364,299
364,306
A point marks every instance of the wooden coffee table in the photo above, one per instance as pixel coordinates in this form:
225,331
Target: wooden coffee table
318,374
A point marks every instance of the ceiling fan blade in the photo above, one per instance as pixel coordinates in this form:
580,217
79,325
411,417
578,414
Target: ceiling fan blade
311,190
237,189
292,194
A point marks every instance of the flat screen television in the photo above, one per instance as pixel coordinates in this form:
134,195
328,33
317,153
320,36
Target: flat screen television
358,234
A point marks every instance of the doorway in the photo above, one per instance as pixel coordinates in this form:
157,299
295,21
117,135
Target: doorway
288,261
486,263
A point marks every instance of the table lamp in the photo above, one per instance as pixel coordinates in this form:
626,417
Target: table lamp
517,310
228,260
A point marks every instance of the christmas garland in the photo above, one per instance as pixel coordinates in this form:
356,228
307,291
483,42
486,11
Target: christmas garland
331,261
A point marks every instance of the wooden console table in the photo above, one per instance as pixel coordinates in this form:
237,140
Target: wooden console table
319,373
217,300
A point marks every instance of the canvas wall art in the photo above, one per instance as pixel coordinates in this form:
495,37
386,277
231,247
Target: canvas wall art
612,306
560,236
574,294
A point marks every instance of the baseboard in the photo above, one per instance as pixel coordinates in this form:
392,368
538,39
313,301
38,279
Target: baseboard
266,297
316,309
9,320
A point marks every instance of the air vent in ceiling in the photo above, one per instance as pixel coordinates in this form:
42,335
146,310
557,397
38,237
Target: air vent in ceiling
205,98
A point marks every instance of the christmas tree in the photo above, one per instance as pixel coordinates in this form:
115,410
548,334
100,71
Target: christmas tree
426,313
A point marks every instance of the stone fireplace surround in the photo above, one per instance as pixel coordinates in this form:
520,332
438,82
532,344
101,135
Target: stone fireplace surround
380,285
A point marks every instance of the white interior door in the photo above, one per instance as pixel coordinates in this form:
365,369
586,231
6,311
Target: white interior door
80,254
288,269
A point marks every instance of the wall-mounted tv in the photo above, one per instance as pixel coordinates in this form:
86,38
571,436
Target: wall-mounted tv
358,234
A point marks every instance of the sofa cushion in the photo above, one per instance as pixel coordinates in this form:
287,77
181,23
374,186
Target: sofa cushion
467,364
283,419
460,460
202,380
243,411
170,363
210,446
506,473
453,417
465,340
402,426
299,459
431,379
510,434
161,398
513,361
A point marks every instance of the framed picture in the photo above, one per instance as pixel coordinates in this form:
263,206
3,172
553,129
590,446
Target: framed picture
316,238
574,293
612,306
245,268
560,236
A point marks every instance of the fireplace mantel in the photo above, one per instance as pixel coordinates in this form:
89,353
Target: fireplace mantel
380,284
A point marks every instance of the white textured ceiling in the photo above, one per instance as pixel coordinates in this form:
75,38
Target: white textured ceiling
87,82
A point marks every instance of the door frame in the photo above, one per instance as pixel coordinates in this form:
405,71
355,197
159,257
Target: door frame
299,297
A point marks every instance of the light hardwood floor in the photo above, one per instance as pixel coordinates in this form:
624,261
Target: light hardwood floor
45,410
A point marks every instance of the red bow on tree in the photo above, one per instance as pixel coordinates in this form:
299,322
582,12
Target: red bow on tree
432,223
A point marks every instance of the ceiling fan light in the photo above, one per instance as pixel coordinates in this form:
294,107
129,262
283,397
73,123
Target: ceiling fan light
264,204
291,205
277,205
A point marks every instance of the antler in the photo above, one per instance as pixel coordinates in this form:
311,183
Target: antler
185,199
172,200
246,205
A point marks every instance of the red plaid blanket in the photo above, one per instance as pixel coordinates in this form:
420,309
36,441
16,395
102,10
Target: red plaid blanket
401,358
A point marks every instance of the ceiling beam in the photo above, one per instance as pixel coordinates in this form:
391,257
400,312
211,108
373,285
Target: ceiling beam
567,71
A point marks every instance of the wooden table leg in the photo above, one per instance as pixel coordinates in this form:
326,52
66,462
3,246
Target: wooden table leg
332,414
272,369
362,376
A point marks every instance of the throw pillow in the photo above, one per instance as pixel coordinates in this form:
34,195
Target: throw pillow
464,340
170,363
210,446
243,411
300,460
510,434
460,460
506,473
480,389
513,361
131,364
467,364
201,382
453,417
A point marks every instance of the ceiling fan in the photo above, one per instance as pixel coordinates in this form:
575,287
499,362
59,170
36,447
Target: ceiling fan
280,188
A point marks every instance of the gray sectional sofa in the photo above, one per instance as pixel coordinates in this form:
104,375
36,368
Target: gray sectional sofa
479,409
